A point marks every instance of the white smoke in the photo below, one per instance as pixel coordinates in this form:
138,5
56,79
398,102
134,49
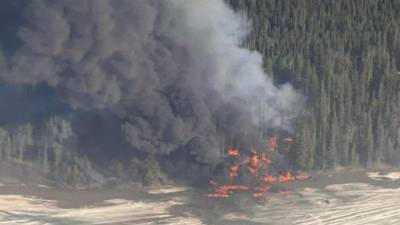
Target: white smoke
239,72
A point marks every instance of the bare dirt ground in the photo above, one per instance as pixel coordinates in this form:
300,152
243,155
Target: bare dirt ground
345,197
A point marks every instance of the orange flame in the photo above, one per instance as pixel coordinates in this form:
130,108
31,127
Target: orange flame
254,162
269,179
257,164
224,191
233,171
233,152
285,178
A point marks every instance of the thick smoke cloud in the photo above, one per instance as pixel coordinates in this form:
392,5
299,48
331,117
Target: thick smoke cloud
164,67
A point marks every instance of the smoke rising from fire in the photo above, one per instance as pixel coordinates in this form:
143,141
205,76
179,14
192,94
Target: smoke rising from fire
163,67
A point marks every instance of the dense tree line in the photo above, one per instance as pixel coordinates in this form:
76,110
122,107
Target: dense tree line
48,145
52,146
344,56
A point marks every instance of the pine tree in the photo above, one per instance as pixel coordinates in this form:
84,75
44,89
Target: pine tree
3,137
332,142
22,139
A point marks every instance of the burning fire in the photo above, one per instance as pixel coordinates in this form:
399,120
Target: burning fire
233,171
256,165
232,152
284,178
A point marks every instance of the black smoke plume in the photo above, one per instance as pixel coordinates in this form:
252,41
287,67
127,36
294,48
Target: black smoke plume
162,76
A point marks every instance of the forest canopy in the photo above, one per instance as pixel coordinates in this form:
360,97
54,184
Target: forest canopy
344,56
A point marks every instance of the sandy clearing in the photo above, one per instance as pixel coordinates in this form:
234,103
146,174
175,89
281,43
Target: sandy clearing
15,209
336,203
350,204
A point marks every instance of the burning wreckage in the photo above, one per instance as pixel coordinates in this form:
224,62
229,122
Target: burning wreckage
255,171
